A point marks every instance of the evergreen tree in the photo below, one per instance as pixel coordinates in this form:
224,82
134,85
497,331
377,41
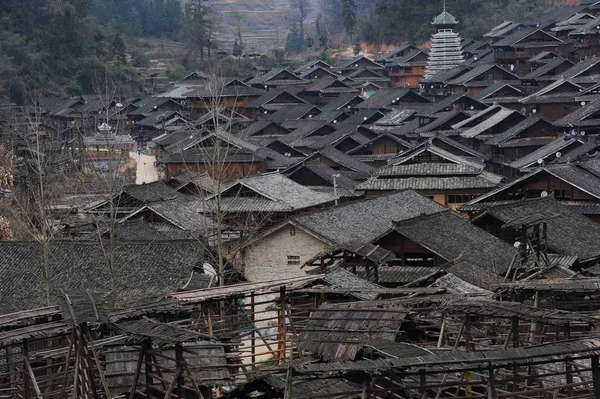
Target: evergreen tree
293,38
119,49
349,14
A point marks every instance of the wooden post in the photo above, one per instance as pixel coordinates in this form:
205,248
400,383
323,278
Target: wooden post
196,387
253,339
515,331
596,376
77,365
533,328
468,338
148,367
282,326
422,383
172,384
98,365
569,376
138,369
460,332
442,330
30,371
209,317
366,391
67,364
179,365
491,382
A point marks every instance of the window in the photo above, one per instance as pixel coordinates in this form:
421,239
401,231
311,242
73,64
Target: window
460,198
293,260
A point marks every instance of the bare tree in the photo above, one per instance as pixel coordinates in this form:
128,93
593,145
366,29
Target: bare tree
215,148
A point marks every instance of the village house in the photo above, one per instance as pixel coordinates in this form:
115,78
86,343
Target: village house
283,249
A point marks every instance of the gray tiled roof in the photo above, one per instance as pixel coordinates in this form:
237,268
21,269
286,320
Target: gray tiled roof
548,150
346,160
363,221
451,237
569,173
274,193
569,233
445,18
428,183
515,130
429,169
141,268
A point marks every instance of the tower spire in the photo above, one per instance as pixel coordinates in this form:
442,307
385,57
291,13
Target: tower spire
444,5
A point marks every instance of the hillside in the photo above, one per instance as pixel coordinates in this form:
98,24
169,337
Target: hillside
265,23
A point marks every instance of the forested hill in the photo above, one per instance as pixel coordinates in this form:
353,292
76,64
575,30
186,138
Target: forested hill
72,46
409,20
140,17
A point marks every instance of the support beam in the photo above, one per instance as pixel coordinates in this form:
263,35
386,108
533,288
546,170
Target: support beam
596,376
30,371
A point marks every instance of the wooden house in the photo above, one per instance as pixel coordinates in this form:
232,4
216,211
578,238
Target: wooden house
276,79
524,43
480,78
407,70
448,179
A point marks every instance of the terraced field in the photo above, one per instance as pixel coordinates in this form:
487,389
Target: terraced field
265,23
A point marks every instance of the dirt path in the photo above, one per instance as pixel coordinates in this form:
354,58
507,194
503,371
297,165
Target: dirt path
146,172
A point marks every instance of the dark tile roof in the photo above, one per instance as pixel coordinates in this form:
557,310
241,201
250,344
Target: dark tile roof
386,98
402,48
450,117
502,30
431,183
515,37
209,154
266,77
549,150
186,177
448,235
273,192
346,160
580,114
363,221
292,112
429,169
305,129
446,75
447,103
569,233
496,119
570,174
580,68
141,268
494,88
406,59
445,18
557,15
339,278
151,192
181,214
547,67
473,73
342,101
323,171
516,130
